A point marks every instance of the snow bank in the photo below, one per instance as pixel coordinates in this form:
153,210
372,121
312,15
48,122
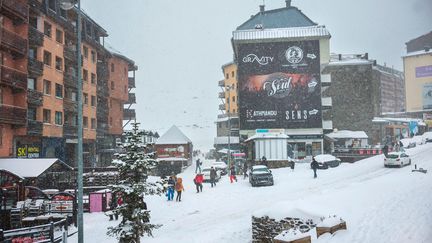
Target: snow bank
325,158
301,210
293,234
330,221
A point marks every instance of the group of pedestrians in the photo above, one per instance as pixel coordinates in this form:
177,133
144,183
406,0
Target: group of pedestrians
175,183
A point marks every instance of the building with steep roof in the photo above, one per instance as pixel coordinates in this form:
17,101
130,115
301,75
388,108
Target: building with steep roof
174,144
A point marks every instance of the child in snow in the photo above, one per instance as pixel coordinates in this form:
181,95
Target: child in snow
179,188
170,191
199,178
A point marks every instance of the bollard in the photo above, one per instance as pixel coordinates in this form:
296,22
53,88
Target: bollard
65,235
51,232
415,166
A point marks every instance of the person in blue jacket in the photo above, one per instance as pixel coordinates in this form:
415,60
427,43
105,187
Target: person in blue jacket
171,185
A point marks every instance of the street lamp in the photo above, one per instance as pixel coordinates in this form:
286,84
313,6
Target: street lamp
68,5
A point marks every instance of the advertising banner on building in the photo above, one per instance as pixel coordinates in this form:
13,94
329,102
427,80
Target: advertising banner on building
427,96
424,71
279,85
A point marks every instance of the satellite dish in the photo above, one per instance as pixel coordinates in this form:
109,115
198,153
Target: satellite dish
67,4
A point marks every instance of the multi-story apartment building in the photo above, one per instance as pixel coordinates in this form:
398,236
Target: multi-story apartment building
40,85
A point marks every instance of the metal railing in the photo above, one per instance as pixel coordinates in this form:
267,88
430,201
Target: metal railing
13,42
34,127
35,67
40,233
34,97
18,9
36,38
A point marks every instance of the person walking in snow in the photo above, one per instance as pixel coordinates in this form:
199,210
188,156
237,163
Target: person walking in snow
198,180
232,174
245,170
264,161
179,188
212,176
198,166
171,185
385,150
314,166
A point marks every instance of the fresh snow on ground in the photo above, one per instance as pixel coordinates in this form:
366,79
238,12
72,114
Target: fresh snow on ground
379,204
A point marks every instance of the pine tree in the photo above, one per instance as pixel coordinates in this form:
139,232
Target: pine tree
133,165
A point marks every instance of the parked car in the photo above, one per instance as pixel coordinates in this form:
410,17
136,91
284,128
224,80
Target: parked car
206,173
408,143
397,159
260,175
221,166
326,161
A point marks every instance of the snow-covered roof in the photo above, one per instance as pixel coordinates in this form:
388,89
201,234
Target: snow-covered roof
256,167
171,159
28,167
224,140
350,62
402,120
268,135
347,134
281,33
417,53
325,158
293,234
173,136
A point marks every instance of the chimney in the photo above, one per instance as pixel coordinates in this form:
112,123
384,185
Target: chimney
366,56
288,3
262,8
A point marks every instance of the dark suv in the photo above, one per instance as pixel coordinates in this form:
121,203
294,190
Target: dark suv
260,175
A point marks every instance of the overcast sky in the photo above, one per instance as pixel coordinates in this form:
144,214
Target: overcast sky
179,47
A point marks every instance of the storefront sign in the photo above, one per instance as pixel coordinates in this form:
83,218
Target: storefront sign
28,151
424,71
279,85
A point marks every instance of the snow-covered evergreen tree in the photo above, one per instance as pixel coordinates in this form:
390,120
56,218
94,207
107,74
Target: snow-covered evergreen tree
133,165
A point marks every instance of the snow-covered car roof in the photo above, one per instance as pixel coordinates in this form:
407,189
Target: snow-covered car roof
398,153
259,167
325,158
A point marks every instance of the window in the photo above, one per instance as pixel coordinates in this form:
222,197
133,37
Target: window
85,75
58,118
47,87
33,22
47,58
46,116
232,74
85,99
47,29
31,113
93,100
112,85
31,83
52,4
59,91
85,52
93,78
93,123
32,52
112,67
59,36
93,56
233,98
85,122
227,75
59,63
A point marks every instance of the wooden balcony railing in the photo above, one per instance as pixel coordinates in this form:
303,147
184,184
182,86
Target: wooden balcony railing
34,128
36,38
13,115
14,9
13,42
13,78
69,53
70,106
34,97
69,130
70,80
35,67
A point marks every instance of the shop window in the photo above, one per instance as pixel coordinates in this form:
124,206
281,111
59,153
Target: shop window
47,29
59,36
31,83
59,91
85,122
47,87
47,58
46,116
59,63
58,118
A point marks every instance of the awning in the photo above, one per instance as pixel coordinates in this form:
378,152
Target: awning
28,167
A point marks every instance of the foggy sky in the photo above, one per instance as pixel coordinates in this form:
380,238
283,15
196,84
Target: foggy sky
180,46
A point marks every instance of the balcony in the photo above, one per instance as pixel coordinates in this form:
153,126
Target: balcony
34,128
221,83
36,38
69,53
69,130
13,78
131,99
222,107
14,10
34,97
102,89
13,42
131,82
70,105
70,80
35,67
13,115
222,95
129,114
102,71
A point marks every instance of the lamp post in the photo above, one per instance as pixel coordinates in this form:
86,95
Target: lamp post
68,5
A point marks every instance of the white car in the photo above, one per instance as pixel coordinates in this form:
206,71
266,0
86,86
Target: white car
398,159
206,173
221,166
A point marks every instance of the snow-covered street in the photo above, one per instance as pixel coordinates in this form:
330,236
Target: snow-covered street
379,204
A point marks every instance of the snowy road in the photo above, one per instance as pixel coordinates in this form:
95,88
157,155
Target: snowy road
379,204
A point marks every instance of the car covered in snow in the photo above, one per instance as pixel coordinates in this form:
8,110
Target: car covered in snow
326,161
206,174
397,159
260,175
220,166
408,143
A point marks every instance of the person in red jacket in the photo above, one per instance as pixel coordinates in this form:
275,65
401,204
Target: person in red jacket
199,179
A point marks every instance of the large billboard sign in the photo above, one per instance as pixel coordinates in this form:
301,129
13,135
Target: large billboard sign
427,96
279,85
